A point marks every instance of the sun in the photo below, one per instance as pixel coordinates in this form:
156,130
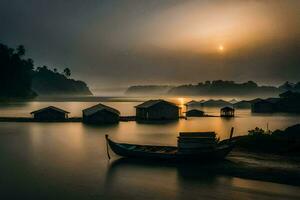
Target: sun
221,48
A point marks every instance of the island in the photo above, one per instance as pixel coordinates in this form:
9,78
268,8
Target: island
214,88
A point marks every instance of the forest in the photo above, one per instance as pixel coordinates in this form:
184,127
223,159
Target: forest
19,78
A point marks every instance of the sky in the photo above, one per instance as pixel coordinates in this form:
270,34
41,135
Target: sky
114,44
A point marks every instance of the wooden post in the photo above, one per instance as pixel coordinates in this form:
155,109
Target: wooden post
107,149
231,133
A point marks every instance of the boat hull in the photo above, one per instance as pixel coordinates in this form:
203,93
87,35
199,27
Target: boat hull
125,150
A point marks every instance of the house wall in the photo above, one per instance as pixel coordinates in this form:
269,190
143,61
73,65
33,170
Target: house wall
160,111
227,113
101,117
50,115
262,107
290,105
141,113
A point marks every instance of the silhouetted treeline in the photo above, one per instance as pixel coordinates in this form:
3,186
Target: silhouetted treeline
48,82
19,79
288,86
15,73
217,87
220,87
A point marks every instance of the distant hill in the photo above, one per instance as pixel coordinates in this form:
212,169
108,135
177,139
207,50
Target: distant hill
224,88
215,88
48,82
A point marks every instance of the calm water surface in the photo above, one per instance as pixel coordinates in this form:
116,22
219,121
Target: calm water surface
69,161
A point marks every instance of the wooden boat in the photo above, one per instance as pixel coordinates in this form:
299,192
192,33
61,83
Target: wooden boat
171,153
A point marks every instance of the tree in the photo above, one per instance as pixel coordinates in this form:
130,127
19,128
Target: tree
55,70
297,87
21,50
15,72
207,83
251,84
287,86
256,131
67,72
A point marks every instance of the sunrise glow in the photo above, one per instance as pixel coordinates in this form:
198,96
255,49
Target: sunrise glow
221,48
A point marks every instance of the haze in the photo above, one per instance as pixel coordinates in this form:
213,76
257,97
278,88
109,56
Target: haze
113,44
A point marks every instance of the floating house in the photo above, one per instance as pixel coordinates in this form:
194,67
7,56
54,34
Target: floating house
194,113
263,106
227,112
100,114
288,102
157,110
50,113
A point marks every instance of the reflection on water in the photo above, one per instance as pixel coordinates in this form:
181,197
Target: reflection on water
187,181
69,161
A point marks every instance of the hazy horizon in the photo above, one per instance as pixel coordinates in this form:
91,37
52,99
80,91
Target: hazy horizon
117,44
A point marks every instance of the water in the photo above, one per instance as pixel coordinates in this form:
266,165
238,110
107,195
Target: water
69,161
